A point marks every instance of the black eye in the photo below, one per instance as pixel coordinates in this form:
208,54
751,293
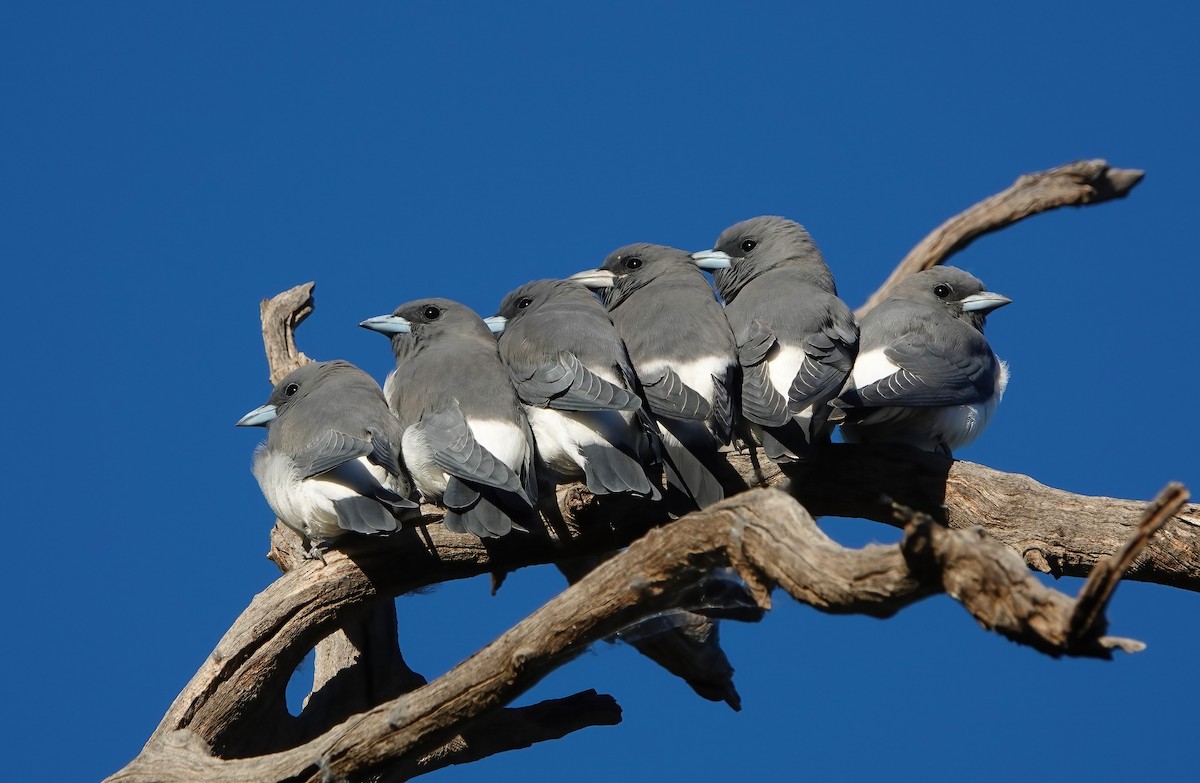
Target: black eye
431,313
522,304
748,245
633,262
941,290
291,389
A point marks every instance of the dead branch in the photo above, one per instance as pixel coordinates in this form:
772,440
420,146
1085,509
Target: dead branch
513,729
1055,532
280,316
1077,184
765,535
1088,616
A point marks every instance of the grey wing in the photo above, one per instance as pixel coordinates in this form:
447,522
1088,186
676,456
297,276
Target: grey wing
828,358
328,450
528,471
456,451
760,402
650,446
384,453
669,396
722,406
566,384
927,378
754,346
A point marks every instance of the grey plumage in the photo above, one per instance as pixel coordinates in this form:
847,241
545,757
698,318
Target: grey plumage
466,442
925,374
682,350
331,460
572,373
796,339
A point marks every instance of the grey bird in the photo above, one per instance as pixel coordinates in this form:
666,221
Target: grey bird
466,442
574,377
683,353
796,339
925,374
331,461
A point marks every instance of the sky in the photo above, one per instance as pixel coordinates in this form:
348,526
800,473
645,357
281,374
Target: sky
167,166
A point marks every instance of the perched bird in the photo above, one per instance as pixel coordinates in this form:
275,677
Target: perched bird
683,353
466,441
574,377
796,339
925,375
331,461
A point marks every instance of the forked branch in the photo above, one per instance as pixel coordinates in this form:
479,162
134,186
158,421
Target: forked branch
765,535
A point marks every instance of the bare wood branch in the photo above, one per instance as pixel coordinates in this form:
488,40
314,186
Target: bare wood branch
690,649
1088,617
1076,184
512,729
280,315
1045,526
771,541
1056,532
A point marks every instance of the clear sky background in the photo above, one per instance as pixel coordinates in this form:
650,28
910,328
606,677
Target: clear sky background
166,166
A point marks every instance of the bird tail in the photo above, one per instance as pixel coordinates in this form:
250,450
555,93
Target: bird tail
691,462
483,512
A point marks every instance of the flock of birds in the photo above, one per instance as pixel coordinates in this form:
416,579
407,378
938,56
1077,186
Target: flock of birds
655,376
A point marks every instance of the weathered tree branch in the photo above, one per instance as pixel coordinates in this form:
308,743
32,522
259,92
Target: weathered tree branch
765,535
280,316
513,729
1076,184
1056,532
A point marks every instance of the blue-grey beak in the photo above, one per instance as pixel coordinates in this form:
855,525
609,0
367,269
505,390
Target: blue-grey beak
259,417
496,323
984,302
387,324
712,260
594,279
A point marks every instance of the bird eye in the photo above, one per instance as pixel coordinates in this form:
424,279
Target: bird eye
431,313
748,245
523,303
941,290
633,262
291,389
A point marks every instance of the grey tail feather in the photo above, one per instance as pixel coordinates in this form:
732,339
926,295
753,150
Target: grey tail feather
479,512
363,515
819,429
484,519
687,472
608,469
787,443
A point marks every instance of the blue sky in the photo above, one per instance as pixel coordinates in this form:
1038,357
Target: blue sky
166,166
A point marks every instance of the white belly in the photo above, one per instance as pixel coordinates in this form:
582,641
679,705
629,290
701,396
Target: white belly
560,436
306,505
931,429
506,442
